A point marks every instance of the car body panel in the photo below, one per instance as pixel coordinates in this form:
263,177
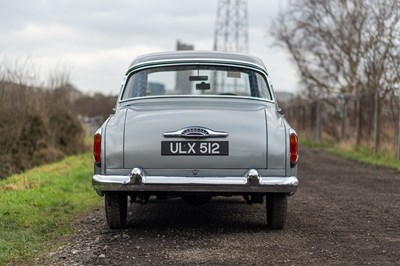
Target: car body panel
276,140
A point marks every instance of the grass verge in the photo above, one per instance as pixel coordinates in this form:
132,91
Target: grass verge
39,205
362,154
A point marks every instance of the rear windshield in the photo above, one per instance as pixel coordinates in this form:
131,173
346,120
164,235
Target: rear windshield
196,80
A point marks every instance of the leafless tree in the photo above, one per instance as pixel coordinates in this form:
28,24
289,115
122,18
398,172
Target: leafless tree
343,47
347,51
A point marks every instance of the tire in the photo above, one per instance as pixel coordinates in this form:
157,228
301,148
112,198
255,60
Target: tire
116,205
276,210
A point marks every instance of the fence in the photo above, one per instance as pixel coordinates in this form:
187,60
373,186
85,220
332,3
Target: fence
365,120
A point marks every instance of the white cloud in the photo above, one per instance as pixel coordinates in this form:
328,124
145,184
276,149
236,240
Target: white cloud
97,39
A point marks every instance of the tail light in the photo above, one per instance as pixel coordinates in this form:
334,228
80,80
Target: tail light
97,148
294,148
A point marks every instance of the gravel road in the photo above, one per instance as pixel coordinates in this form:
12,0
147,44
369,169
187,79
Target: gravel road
344,213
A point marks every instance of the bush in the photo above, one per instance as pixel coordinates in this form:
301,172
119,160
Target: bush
37,125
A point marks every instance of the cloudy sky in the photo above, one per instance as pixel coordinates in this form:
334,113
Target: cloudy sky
95,40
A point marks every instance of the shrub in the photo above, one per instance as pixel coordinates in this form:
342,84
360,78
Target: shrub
37,125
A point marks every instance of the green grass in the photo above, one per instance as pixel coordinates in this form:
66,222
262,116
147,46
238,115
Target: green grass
37,207
363,154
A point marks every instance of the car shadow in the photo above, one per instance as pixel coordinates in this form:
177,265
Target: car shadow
221,214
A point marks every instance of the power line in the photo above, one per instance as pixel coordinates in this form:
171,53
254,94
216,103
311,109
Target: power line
231,26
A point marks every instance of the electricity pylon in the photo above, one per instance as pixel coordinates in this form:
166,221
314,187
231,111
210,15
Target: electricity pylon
231,26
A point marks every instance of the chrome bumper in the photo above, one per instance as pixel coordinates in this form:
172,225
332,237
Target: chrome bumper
252,182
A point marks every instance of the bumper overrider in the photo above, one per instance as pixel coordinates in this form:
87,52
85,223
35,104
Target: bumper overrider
251,182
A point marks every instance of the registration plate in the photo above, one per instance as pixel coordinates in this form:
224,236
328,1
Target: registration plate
213,148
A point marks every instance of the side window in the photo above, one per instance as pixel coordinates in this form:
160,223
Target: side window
265,90
136,86
128,89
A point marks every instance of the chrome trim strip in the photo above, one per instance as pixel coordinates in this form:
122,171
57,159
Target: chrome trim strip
196,180
111,179
291,130
195,60
195,96
195,132
279,181
250,182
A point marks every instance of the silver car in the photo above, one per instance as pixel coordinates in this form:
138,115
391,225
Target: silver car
196,125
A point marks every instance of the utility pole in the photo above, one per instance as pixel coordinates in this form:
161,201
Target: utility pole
231,27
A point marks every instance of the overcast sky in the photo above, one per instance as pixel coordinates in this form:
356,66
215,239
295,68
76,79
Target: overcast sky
95,40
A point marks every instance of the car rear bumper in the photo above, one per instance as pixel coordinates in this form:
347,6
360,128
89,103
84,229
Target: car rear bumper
251,182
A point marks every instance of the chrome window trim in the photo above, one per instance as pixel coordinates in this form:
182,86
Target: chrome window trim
195,96
195,60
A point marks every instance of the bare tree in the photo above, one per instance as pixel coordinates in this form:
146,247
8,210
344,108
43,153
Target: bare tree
343,47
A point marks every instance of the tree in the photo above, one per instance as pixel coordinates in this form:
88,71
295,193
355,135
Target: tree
343,47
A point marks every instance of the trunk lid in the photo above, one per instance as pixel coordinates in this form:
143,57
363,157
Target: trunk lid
242,120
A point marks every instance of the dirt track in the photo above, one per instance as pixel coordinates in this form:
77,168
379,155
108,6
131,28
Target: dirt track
344,213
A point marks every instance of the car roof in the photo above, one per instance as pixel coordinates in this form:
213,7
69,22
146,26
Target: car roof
196,56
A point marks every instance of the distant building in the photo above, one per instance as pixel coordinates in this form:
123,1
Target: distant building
155,88
180,46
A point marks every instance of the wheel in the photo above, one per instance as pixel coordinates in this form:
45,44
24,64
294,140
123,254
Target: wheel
116,209
276,210
196,199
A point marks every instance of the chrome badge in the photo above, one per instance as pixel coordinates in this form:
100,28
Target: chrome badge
195,132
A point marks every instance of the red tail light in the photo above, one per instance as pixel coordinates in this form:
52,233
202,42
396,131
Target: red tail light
294,148
97,148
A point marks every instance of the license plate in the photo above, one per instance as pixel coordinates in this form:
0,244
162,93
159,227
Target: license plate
197,148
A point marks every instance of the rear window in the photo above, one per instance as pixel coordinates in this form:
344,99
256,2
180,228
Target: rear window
196,80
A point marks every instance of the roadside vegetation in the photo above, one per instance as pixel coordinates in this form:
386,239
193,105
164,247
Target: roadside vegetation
38,123
38,206
347,55
362,154
43,121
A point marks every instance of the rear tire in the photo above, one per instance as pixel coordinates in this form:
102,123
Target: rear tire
276,210
116,205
